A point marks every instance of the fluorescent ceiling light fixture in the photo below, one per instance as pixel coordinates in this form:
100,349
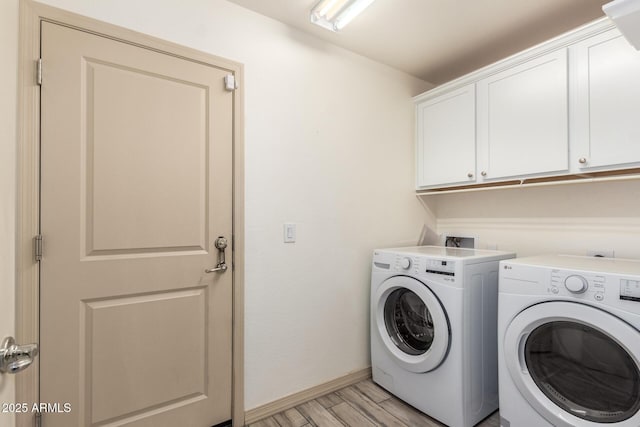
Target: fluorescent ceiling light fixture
626,15
335,14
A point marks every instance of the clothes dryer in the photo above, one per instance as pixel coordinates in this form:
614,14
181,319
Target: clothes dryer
433,329
569,342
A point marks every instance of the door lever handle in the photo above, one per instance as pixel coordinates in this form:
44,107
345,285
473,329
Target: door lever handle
15,358
221,266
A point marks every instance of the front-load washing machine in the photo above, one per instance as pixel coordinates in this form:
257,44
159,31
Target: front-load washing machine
569,342
433,329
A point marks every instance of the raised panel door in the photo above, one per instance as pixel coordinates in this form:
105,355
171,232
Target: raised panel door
136,186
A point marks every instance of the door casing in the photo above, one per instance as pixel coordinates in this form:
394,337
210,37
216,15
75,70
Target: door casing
28,185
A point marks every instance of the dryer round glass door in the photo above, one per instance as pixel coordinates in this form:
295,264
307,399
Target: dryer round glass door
411,323
577,365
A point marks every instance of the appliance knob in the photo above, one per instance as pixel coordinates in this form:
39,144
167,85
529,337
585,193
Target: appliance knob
576,284
405,263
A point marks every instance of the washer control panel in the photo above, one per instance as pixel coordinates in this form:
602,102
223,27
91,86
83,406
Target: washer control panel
579,285
406,264
419,265
440,266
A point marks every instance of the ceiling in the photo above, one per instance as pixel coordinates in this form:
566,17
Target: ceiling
439,40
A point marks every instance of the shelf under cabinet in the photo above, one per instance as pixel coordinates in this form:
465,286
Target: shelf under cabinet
583,178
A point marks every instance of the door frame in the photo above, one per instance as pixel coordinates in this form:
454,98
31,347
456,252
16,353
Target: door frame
28,185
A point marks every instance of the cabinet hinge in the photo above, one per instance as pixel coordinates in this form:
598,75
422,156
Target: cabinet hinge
37,247
230,83
37,419
39,71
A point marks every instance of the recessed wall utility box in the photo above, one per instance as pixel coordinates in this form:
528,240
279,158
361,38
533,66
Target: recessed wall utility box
459,242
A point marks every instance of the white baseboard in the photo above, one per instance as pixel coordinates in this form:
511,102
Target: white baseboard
296,399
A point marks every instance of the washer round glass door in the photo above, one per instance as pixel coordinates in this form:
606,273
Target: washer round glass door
576,365
412,324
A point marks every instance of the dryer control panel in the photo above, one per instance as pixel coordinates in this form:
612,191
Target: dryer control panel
630,290
580,285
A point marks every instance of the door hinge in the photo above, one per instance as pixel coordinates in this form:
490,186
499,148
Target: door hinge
37,247
37,419
230,83
39,71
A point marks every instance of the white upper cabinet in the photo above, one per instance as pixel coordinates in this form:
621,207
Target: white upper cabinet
446,139
606,113
523,119
567,106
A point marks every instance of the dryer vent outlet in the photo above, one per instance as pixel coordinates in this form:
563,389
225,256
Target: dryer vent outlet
460,242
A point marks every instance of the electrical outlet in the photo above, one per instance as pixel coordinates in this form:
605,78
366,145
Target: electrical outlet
601,253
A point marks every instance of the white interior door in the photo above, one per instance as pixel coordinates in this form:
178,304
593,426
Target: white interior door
136,186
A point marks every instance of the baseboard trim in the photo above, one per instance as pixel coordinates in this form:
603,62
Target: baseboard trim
295,399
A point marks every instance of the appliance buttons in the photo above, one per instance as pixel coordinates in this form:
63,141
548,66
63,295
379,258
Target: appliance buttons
576,284
405,263
554,290
598,296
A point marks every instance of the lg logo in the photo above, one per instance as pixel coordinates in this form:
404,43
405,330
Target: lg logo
507,267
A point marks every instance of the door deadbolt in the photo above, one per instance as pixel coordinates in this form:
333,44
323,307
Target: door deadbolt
221,243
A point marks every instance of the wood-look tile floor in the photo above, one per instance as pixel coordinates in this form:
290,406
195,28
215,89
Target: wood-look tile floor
360,405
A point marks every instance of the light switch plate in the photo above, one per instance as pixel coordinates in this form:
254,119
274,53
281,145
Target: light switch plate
289,233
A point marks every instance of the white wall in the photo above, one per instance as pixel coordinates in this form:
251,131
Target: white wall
329,146
570,219
8,75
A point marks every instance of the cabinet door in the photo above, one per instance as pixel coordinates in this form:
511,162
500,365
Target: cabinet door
606,131
522,119
446,139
